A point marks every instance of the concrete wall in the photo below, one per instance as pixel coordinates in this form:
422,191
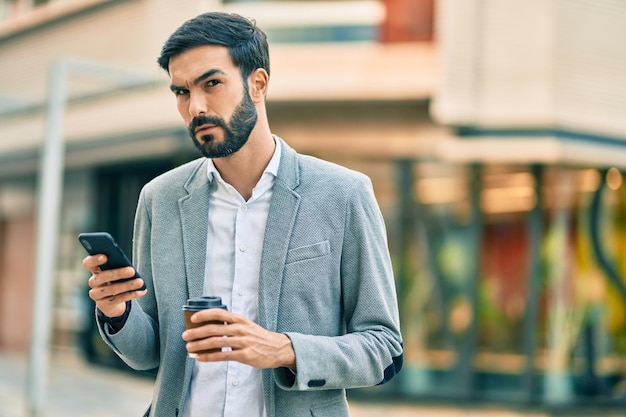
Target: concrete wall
533,64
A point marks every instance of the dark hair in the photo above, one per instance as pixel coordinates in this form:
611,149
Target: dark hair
246,43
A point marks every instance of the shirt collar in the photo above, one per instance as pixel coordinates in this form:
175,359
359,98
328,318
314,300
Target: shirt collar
271,168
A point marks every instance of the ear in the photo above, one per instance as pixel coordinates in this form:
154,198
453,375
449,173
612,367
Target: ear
258,84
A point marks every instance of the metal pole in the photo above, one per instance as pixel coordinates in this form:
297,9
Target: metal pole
469,343
530,331
49,205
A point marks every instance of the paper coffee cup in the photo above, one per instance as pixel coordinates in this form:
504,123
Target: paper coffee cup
196,304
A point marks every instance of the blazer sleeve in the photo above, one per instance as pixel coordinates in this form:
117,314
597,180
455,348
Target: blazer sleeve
370,352
137,343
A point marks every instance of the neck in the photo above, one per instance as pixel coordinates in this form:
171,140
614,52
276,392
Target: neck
244,168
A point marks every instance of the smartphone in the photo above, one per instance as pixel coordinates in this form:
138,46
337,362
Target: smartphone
103,243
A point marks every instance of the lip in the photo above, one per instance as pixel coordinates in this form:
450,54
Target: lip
204,128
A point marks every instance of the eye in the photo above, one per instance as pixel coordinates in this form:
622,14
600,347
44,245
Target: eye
180,91
212,83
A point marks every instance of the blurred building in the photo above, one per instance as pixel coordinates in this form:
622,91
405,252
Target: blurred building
493,131
350,82
523,208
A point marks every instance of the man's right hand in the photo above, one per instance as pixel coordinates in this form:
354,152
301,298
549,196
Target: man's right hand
110,297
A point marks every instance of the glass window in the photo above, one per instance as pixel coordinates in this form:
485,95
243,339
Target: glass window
314,21
503,287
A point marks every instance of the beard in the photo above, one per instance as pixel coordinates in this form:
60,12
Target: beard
236,131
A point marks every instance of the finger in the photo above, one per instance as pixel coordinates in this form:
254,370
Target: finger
229,353
123,297
205,331
113,289
110,275
93,262
102,278
216,342
214,357
218,314
115,306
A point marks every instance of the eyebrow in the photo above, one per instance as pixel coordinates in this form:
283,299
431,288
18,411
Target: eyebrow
199,79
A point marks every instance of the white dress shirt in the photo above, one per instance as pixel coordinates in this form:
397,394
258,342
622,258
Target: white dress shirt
233,260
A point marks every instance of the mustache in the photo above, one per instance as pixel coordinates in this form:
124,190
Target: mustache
205,120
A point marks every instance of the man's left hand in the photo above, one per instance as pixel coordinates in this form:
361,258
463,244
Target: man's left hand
249,343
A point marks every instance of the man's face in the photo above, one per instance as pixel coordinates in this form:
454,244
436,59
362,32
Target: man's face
213,100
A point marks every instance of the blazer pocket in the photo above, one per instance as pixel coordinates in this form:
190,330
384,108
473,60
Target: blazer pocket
303,253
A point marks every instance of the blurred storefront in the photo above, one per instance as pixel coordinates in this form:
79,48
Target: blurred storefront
492,130
512,273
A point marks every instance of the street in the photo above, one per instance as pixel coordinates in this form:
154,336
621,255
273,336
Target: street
78,389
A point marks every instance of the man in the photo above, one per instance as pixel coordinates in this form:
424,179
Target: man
295,246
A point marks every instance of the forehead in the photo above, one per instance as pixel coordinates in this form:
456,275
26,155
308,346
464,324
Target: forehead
196,61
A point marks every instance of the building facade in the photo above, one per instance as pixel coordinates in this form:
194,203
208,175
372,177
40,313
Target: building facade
492,130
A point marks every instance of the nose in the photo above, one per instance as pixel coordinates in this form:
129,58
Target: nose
197,106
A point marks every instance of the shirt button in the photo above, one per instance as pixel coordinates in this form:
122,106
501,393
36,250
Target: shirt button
240,292
244,207
235,382
242,248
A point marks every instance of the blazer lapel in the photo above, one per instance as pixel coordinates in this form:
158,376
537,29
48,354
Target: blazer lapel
280,222
194,209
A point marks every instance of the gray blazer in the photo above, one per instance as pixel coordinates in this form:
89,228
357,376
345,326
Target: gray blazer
326,281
